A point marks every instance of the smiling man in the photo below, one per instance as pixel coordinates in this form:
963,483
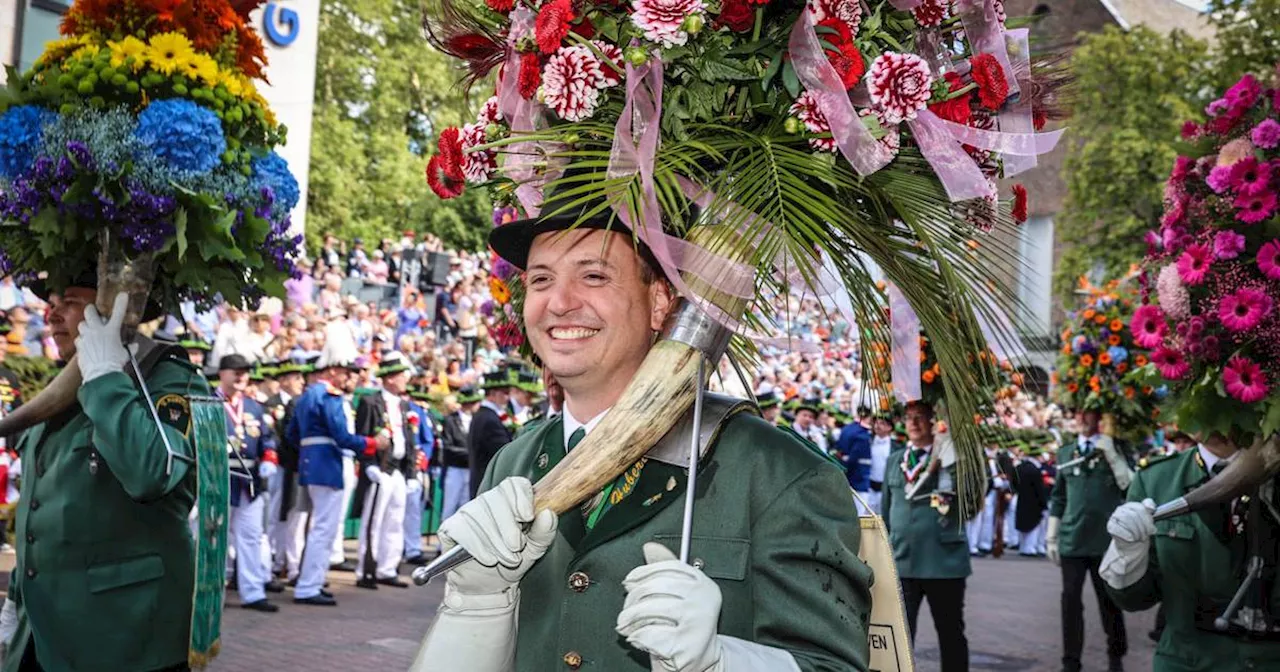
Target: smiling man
775,582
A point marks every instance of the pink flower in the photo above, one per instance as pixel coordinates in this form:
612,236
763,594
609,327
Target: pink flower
1190,130
1245,380
1244,93
1171,364
930,13
1227,244
849,11
1174,212
1252,209
1148,326
477,166
662,20
570,83
1182,168
1219,179
1193,263
1269,259
489,112
1243,309
900,85
1251,177
1173,296
807,111
614,54
1266,134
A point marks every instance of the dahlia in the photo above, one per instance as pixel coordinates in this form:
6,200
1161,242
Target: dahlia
930,13
1269,259
477,166
993,88
661,20
1171,364
1243,309
1193,263
570,83
848,11
1252,209
1148,326
807,111
1227,244
1244,379
1266,134
609,76
900,85
552,24
489,112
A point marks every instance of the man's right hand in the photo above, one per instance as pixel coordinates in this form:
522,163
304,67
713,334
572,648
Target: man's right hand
492,528
383,440
1131,528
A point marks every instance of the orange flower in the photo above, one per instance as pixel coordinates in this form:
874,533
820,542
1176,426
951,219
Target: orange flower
1122,367
1089,313
937,370
1086,360
1066,349
1129,392
927,376
1053,377
1016,378
1140,360
923,356
884,403
1113,340
1146,389
1095,384
1116,325
498,288
1104,358
1072,387
1100,319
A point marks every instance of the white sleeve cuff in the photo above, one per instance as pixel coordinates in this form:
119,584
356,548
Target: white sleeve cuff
739,655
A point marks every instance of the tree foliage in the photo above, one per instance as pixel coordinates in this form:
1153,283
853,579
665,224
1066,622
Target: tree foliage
1248,37
381,92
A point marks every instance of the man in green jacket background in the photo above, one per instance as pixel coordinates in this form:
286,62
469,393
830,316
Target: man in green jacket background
105,559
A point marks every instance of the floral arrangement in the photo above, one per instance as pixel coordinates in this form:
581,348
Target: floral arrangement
1098,352
1212,323
144,121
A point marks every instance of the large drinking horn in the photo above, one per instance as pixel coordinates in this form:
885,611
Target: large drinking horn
1246,472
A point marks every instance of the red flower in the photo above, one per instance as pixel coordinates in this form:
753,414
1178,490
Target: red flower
843,54
552,24
737,15
957,109
1038,119
993,88
584,28
450,145
502,6
1019,210
444,182
530,75
762,3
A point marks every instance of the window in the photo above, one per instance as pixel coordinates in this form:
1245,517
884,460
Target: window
39,26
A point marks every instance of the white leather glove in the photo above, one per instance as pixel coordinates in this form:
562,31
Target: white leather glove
1131,528
267,469
1051,540
8,625
99,346
491,528
374,473
1119,466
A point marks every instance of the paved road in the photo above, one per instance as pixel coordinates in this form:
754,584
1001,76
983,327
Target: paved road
1012,614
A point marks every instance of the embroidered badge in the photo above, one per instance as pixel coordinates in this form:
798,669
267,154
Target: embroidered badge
174,410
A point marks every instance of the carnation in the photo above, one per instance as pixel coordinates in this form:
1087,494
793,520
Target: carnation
1227,244
530,75
955,109
900,85
1266,134
661,20
993,88
570,83
807,111
1019,209
553,24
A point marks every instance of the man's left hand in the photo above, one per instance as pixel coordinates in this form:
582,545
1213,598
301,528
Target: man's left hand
99,346
671,613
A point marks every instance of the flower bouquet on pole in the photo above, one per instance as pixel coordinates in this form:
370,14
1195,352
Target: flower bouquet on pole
1212,321
1098,352
757,149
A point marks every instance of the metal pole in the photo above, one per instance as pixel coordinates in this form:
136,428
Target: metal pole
155,416
695,450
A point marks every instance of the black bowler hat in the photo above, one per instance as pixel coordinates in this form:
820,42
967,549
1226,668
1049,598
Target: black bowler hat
89,280
234,362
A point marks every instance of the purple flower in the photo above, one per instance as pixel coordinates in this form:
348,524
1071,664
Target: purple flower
1217,107
1219,179
1267,134
1244,93
1227,244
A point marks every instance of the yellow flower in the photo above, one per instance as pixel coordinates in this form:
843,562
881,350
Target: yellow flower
168,51
200,67
88,52
129,47
55,49
230,82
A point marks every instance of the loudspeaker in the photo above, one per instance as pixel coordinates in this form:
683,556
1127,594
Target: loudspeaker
438,268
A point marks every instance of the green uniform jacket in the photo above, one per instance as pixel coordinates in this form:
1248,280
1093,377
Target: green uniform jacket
1084,502
105,557
928,543
1190,572
774,526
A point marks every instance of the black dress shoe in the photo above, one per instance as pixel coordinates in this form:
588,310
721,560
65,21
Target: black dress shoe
274,586
394,582
344,566
417,560
367,582
320,600
261,605
325,592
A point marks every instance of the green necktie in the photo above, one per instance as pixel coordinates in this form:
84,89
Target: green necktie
576,437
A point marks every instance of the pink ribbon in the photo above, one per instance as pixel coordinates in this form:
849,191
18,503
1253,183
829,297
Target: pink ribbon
904,347
524,116
985,35
957,171
1017,117
821,80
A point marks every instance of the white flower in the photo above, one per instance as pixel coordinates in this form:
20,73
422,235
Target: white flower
571,83
661,20
478,167
900,85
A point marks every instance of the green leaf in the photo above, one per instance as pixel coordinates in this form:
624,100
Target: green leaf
775,64
723,70
1271,420
180,232
790,80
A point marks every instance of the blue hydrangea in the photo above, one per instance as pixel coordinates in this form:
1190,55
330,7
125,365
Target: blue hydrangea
272,171
182,134
21,128
1118,354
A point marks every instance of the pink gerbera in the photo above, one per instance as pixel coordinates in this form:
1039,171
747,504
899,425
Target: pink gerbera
1252,177
1193,264
1171,364
1269,259
1243,309
1148,326
1245,380
1254,208
900,85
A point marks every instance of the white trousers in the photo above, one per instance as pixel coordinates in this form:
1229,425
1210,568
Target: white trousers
382,527
246,535
326,515
275,545
1033,541
1011,535
981,529
291,533
873,501
414,500
349,479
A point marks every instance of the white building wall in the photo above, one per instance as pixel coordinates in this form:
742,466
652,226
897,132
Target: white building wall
8,35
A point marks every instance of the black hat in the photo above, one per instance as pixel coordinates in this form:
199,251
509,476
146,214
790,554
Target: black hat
234,362
89,280
393,363
469,395
309,362
767,400
497,380
810,404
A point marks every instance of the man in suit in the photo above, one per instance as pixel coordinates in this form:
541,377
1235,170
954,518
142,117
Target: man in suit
294,505
929,541
384,476
417,489
806,423
1033,499
105,562
456,428
770,406
1084,497
254,461
490,427
854,450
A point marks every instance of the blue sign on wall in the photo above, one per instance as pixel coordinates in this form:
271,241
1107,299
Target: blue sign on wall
280,24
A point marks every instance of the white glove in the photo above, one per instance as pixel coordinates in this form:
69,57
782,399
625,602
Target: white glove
1119,466
1051,540
374,474
8,625
267,469
1131,528
99,346
491,528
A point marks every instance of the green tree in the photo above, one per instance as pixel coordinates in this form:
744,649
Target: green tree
381,95
1248,37
1133,91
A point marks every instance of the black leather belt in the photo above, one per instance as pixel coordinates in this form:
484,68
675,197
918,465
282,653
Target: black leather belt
876,486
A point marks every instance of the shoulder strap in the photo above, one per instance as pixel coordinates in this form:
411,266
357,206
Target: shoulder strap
151,353
717,409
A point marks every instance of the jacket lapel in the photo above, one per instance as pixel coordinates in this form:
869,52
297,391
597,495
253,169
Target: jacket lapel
658,486
550,453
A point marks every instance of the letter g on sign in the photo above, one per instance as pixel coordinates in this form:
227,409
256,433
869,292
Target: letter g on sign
283,29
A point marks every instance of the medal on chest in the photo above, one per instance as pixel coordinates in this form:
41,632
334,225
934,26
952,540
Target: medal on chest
941,503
